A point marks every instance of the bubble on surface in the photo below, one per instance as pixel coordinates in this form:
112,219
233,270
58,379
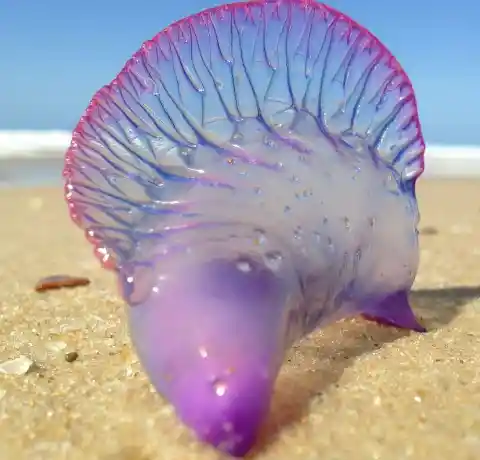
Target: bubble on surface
260,236
273,260
220,387
244,266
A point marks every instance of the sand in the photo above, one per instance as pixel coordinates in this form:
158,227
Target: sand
355,390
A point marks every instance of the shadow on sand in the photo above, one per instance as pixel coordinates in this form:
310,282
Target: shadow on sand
332,350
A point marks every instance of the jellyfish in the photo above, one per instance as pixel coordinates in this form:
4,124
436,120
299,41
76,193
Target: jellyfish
249,177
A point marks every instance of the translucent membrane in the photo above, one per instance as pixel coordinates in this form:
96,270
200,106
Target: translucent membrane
271,147
199,110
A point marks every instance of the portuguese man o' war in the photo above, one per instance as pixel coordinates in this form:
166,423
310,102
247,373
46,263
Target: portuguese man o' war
250,177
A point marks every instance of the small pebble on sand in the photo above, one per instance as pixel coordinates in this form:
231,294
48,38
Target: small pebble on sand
71,356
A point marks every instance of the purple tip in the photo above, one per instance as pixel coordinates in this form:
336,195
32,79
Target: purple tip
394,310
226,411
213,346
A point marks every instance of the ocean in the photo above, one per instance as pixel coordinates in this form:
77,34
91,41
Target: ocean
35,158
32,158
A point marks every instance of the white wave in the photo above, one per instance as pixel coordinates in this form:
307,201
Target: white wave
440,160
452,161
47,144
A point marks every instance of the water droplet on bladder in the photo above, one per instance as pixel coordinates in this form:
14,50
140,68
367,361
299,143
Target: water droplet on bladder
220,387
244,266
273,260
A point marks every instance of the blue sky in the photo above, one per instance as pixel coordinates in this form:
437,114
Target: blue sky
57,53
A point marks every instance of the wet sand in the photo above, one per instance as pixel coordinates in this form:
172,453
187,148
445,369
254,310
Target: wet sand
355,390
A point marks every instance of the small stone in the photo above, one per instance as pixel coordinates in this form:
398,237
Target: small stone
60,281
71,356
17,366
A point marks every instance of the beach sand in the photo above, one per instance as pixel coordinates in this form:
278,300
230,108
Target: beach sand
355,390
